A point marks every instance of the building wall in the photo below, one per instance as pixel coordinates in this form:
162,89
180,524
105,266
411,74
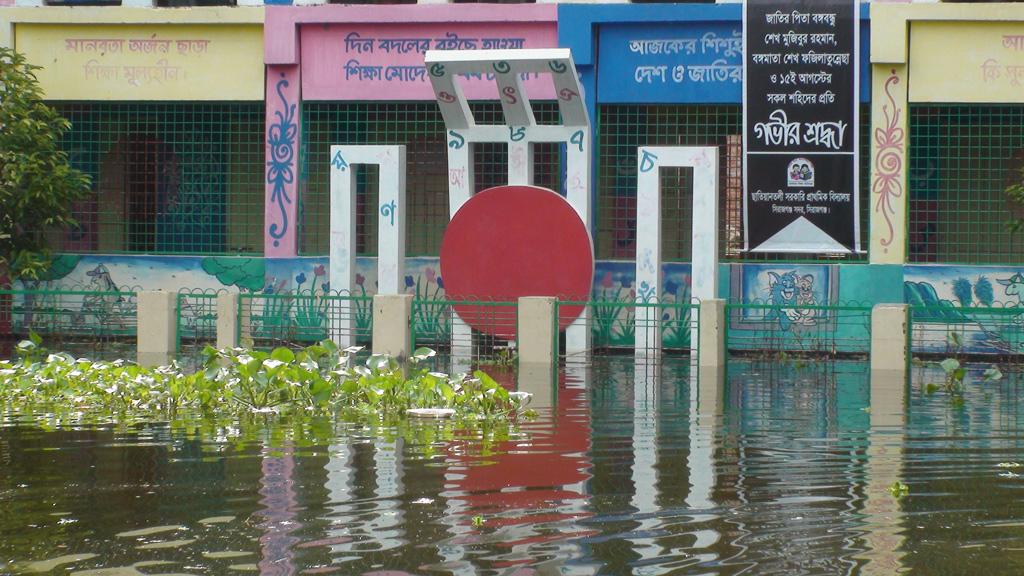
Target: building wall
935,210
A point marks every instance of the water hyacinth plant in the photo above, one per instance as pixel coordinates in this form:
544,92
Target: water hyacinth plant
318,379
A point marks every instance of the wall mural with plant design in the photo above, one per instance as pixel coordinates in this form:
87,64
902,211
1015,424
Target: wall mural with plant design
947,296
982,305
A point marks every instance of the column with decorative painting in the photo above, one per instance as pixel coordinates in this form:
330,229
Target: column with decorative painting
282,157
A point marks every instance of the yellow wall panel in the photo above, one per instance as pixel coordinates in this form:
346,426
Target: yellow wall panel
145,62
967,62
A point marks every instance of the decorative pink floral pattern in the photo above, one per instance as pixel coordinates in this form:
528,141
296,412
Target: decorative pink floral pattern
889,140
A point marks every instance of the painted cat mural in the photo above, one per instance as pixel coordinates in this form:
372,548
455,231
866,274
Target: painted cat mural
791,289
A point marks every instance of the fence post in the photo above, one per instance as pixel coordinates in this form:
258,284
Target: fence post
889,338
227,320
536,332
157,318
712,333
711,352
392,325
890,355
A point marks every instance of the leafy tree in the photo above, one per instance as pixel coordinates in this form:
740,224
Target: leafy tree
37,183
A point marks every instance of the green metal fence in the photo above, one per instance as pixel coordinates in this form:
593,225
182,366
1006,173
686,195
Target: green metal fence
420,127
943,331
489,336
776,332
614,324
99,314
962,158
96,324
167,177
622,128
300,318
197,319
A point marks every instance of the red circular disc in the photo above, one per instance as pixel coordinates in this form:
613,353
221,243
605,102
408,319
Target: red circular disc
512,241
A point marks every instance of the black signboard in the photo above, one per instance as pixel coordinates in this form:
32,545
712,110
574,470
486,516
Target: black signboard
800,113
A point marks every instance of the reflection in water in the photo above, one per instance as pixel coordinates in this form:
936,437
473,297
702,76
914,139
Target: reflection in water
882,513
278,491
620,473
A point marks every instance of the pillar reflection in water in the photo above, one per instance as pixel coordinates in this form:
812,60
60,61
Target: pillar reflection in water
279,506
883,515
357,522
645,459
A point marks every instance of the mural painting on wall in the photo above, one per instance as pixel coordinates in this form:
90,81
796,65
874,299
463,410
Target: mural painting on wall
97,303
982,305
279,315
83,294
290,297
615,293
783,297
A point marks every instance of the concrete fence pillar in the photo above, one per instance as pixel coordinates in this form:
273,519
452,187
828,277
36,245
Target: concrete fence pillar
392,325
890,356
708,391
712,333
537,332
889,345
227,320
157,317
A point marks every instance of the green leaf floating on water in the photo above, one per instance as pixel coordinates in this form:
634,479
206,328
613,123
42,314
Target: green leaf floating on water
898,489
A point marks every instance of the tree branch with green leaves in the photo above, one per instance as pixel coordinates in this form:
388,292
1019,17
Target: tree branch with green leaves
38,185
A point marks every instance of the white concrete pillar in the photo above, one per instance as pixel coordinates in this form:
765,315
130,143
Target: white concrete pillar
648,255
889,338
392,325
227,320
537,331
157,317
390,230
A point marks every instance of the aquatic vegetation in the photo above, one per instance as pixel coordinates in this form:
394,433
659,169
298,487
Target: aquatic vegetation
316,379
899,490
956,372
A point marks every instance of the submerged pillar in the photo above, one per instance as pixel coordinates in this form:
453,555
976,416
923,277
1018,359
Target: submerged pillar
537,332
392,325
157,318
711,352
889,346
228,332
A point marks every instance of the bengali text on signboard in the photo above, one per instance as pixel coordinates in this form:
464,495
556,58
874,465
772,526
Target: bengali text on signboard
800,126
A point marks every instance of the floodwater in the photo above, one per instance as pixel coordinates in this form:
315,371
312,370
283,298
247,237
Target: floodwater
619,474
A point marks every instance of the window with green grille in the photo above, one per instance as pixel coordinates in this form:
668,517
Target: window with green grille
420,127
962,158
622,128
167,177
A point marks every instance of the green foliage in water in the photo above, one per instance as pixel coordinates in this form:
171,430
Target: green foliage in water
899,490
956,372
317,379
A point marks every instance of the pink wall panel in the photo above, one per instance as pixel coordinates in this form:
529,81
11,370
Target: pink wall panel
385,60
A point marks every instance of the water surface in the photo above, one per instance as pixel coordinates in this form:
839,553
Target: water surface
618,474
